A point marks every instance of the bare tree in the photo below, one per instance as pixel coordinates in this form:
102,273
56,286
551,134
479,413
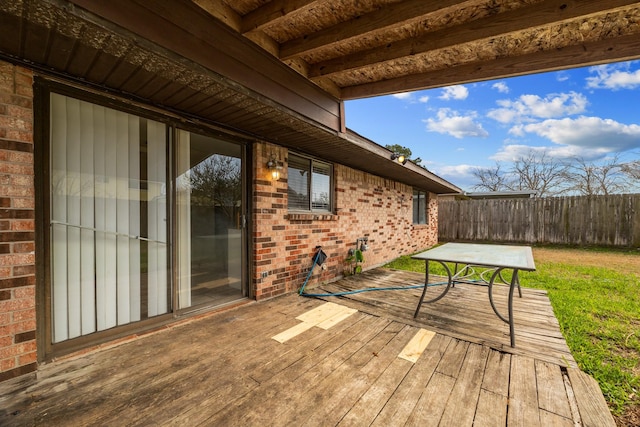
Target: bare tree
631,169
589,178
537,171
490,179
217,182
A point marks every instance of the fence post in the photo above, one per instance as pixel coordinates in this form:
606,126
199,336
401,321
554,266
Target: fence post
635,223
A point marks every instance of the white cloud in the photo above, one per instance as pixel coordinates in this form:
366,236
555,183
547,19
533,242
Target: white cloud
501,87
614,77
402,95
450,122
588,132
586,137
460,175
457,92
423,99
562,76
530,107
513,152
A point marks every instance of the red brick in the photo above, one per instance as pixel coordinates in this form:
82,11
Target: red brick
23,247
16,305
17,349
7,364
25,336
18,259
28,358
24,270
23,225
16,281
5,271
19,316
23,202
25,292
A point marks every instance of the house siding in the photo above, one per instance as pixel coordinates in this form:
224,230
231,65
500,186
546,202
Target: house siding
17,224
365,206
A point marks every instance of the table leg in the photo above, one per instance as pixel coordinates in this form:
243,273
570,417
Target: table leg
514,282
424,290
426,285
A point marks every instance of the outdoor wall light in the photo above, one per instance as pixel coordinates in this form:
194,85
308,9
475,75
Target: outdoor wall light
274,169
399,157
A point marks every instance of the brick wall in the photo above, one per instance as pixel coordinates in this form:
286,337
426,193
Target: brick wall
366,206
17,259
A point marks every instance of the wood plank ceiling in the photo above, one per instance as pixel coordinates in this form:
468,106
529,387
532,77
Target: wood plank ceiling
363,48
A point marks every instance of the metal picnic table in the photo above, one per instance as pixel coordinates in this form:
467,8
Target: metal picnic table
495,258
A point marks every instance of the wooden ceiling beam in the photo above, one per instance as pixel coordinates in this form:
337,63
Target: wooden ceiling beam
221,11
392,15
537,15
623,48
270,12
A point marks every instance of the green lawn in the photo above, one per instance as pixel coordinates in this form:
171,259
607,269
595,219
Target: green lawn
595,295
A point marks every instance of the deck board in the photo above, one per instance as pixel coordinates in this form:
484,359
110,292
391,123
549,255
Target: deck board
464,313
226,369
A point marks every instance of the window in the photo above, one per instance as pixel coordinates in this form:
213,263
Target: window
420,203
309,184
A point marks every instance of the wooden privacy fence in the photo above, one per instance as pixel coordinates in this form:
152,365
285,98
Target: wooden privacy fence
612,220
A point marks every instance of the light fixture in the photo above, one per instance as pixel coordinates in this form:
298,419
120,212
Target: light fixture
274,168
399,157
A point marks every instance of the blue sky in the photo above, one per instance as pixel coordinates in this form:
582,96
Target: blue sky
592,113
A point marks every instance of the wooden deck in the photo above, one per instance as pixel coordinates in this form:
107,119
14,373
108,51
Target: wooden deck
292,360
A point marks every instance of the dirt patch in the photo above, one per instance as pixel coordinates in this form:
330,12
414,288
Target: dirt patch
623,261
630,418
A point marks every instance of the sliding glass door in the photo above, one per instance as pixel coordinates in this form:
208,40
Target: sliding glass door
209,219
110,219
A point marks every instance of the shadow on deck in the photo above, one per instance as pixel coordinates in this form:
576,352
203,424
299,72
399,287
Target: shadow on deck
357,360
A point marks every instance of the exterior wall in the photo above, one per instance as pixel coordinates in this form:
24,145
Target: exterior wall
17,226
366,206
283,243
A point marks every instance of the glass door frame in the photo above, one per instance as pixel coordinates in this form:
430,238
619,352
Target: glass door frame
245,160
43,87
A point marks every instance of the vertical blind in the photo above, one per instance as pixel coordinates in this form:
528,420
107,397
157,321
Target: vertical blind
107,229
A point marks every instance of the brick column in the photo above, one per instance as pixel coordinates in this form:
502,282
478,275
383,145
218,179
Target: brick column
17,235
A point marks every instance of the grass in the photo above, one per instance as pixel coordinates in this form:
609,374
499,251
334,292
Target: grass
597,303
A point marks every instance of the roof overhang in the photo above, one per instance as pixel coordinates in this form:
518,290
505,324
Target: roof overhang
175,56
